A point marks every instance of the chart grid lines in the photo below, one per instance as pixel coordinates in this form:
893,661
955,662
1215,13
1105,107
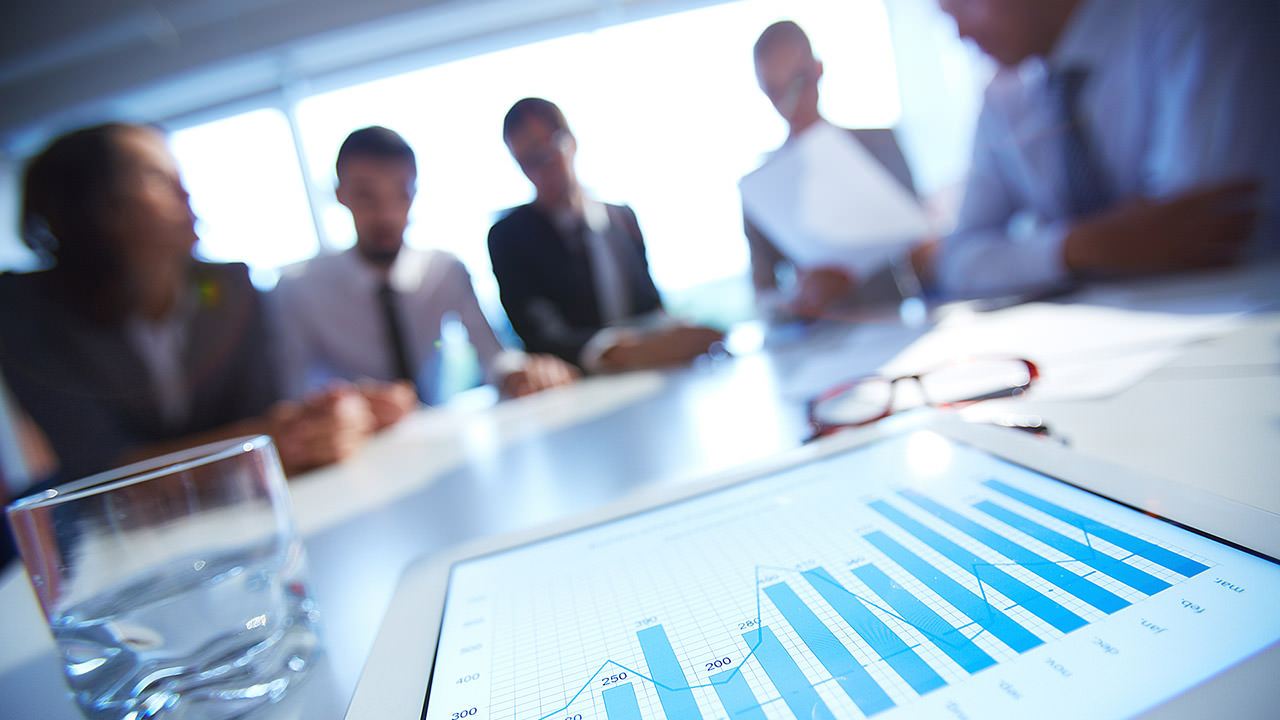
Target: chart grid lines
1037,603
1101,562
883,641
921,593
796,690
947,638
736,696
833,655
1151,551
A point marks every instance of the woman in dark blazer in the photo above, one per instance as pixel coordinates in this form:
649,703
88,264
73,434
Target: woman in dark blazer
126,346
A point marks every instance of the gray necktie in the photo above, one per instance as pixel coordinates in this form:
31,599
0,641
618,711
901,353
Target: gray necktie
606,274
1087,188
401,364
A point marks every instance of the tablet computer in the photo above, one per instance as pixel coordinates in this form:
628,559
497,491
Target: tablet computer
954,571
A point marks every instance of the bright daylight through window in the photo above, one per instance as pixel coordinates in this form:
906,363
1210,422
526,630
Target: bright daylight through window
667,114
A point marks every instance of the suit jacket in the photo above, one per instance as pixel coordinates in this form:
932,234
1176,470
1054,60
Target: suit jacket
765,256
547,284
87,388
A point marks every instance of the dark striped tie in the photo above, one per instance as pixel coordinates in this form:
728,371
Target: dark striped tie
1087,188
402,366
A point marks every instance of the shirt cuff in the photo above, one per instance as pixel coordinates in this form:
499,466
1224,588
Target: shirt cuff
1046,264
503,364
985,264
591,358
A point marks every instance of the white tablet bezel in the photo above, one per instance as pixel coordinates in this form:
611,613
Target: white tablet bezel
394,682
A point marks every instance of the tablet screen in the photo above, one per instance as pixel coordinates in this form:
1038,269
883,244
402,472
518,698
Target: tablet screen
914,575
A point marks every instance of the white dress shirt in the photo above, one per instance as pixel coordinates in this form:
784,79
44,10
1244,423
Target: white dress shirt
1181,94
160,345
612,294
330,323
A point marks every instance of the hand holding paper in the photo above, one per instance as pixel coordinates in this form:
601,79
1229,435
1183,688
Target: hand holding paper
824,200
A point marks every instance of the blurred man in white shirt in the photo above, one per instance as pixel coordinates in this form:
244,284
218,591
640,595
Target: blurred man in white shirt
372,314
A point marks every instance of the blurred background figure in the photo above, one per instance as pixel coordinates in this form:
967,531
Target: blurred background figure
1116,139
373,313
127,347
788,74
572,271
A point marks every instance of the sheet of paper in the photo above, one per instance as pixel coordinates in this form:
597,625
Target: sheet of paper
825,200
1083,350
866,349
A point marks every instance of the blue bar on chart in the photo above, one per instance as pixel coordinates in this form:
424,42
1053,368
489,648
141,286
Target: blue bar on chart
1137,546
620,703
942,634
736,696
1096,559
796,690
883,641
978,609
834,656
1095,595
1034,601
664,668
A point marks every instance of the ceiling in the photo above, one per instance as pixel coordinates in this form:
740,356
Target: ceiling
69,62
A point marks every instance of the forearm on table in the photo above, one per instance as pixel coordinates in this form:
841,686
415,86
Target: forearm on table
989,262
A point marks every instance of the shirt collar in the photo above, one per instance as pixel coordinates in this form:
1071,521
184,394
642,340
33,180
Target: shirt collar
184,310
1083,44
405,273
594,215
820,123
1085,40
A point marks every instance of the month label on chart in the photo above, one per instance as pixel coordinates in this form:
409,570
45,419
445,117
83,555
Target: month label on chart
1230,586
1058,667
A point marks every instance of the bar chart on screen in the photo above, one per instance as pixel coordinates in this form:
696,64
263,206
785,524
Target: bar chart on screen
811,596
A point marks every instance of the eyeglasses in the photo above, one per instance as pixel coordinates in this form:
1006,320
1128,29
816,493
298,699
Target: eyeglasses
866,399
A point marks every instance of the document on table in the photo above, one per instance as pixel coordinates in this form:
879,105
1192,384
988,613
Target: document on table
1082,350
823,199
1095,347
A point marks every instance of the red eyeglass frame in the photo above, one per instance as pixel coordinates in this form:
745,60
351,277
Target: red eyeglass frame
819,428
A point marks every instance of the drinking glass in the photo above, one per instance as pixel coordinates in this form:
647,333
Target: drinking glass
174,587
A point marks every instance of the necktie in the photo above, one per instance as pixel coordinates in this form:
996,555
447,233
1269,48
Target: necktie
1087,189
401,364
610,286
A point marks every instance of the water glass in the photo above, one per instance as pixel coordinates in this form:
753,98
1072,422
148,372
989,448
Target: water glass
174,587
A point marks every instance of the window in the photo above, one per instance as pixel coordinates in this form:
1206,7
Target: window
667,115
246,188
666,111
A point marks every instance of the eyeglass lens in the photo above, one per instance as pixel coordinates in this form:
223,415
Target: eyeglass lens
872,398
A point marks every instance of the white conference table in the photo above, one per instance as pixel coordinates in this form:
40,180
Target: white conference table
1205,413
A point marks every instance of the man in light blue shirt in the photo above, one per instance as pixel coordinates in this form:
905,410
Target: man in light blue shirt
1119,137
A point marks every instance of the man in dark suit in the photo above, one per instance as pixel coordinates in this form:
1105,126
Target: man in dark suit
788,74
572,271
